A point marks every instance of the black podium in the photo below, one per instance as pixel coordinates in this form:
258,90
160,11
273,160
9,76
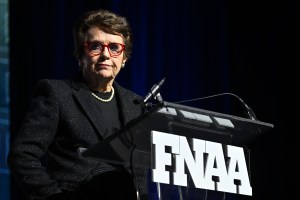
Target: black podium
133,146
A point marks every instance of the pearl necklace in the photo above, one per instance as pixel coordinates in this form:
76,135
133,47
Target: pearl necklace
106,100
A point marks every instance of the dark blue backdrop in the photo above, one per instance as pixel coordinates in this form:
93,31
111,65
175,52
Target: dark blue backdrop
201,47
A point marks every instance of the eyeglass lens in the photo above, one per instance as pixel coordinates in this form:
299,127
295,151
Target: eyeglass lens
98,47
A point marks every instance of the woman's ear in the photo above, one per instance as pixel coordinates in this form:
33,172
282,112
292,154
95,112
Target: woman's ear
123,63
79,64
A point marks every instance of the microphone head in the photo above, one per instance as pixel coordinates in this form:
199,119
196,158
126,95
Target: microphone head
162,81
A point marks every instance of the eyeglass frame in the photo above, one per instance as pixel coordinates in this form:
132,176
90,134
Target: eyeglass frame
86,45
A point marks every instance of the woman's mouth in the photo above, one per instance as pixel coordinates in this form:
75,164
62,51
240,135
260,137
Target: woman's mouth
102,66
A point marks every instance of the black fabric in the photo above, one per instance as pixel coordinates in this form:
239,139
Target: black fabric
63,117
109,112
116,185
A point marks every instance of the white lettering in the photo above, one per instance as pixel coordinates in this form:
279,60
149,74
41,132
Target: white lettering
207,172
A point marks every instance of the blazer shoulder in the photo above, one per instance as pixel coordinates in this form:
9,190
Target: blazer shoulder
126,93
52,86
53,83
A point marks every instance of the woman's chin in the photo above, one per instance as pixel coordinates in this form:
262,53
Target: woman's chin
104,75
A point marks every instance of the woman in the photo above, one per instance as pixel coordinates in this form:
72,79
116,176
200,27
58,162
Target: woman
69,114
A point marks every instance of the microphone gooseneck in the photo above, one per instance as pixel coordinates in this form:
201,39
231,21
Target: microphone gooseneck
249,112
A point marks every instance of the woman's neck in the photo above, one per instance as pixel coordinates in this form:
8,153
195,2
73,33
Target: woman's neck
100,85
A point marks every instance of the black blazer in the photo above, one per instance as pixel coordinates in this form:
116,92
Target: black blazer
62,117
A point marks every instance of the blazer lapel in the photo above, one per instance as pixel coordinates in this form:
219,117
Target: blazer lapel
83,95
128,109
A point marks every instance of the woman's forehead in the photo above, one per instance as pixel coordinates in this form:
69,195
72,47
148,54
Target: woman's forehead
96,33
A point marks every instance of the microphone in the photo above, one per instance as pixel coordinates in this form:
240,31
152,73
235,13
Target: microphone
153,91
248,111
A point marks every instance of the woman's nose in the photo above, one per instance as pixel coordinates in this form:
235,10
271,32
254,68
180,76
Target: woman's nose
106,52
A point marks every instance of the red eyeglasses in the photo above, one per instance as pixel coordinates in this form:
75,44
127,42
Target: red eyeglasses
96,48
